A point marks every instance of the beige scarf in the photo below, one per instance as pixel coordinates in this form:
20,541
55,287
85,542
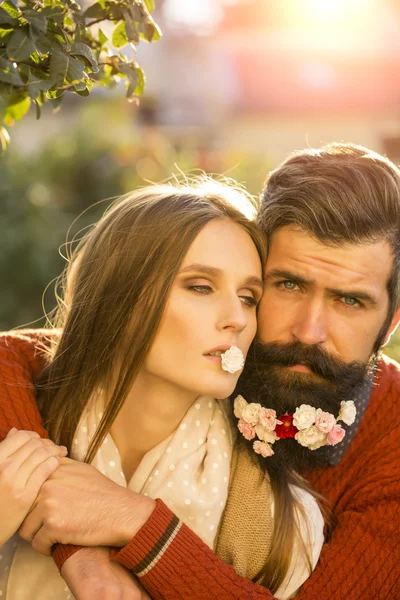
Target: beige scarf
189,471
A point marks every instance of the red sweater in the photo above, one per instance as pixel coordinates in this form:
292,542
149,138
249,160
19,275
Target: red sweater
361,562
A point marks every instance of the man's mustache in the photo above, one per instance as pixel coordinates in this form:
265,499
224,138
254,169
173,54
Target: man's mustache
317,359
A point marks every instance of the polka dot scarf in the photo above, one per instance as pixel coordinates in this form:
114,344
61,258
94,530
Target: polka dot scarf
189,471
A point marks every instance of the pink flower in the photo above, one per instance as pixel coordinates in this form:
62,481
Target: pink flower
335,435
267,418
246,429
262,448
325,421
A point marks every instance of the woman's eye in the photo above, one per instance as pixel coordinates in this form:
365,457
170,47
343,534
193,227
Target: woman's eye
249,300
202,289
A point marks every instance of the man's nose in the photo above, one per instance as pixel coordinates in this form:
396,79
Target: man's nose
309,326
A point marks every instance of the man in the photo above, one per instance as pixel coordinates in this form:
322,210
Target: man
332,218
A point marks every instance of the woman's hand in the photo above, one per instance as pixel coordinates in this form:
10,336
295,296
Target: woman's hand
92,575
26,461
79,505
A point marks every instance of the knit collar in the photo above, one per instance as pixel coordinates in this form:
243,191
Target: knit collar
361,400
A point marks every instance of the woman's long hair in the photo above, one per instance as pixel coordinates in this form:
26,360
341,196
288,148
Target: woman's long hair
115,291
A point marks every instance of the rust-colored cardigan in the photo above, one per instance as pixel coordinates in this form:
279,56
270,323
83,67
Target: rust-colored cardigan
361,562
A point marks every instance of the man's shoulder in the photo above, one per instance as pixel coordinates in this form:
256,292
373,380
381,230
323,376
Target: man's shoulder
387,379
26,344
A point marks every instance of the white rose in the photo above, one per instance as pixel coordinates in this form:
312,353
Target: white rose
250,413
311,437
232,360
347,412
265,435
238,406
304,416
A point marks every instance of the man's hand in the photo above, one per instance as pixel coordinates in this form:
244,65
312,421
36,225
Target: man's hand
78,505
92,575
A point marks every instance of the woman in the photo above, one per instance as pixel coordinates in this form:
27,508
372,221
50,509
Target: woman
164,284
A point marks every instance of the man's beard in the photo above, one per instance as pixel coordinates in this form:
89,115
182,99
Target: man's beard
267,380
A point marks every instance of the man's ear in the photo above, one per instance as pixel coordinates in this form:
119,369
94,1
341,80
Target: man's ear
393,326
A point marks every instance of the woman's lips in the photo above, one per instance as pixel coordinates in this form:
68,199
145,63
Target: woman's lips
213,358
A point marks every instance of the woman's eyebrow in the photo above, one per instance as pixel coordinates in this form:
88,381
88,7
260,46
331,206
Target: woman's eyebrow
215,272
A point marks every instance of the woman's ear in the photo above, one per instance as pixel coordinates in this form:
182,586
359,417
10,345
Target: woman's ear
393,326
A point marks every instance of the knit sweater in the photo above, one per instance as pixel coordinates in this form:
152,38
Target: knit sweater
360,562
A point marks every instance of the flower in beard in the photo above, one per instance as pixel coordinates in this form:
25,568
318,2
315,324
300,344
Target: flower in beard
311,438
304,416
238,406
285,427
347,412
250,413
267,417
324,421
263,449
265,435
246,430
336,435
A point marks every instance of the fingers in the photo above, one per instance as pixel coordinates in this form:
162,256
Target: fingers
34,454
41,473
15,439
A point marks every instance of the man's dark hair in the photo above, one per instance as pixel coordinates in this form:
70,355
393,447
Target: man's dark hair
341,193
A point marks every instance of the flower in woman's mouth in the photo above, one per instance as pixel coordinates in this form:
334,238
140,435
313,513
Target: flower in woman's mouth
232,360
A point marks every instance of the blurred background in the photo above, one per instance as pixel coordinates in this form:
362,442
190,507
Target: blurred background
232,87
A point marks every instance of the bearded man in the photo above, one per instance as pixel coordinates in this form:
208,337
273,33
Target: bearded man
331,300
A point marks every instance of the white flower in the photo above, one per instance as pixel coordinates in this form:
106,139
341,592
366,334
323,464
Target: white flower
238,406
265,435
347,412
311,437
232,360
304,416
250,413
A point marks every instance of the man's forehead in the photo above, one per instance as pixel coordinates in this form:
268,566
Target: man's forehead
365,263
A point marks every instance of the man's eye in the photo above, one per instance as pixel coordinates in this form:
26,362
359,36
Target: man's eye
350,301
288,285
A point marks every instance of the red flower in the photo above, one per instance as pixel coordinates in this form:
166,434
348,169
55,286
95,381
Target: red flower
287,429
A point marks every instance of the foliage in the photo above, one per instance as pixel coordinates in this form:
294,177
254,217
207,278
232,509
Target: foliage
51,47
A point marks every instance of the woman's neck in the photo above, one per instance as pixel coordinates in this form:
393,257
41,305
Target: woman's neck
152,411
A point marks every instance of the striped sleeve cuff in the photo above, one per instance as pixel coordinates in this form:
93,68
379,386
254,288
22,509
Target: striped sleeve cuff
150,543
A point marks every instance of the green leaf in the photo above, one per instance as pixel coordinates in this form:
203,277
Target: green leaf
76,70
135,76
151,31
102,37
6,19
82,92
5,35
37,22
80,49
59,63
37,84
56,13
11,9
119,37
20,46
98,10
9,73
130,28
149,5
17,110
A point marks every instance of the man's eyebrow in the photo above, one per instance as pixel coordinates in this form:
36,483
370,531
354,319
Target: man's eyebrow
281,274
358,295
215,272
